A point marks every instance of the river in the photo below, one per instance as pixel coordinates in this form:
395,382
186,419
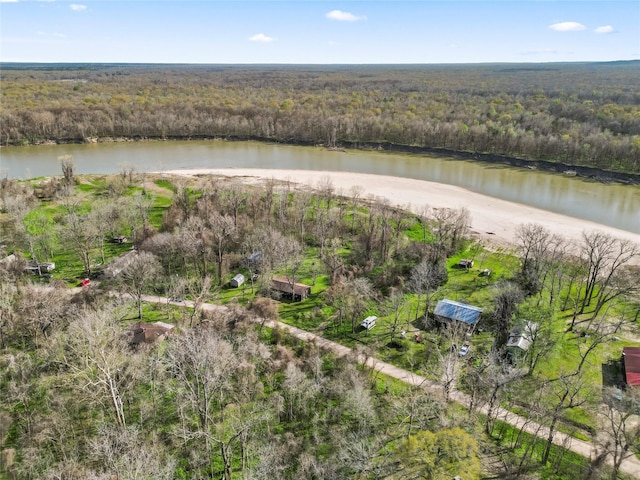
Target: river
613,205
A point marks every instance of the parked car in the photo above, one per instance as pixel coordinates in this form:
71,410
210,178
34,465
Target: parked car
85,282
464,350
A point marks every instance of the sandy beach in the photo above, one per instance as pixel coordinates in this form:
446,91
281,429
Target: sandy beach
492,220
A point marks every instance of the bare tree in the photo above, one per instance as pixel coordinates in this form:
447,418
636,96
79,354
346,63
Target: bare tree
568,391
394,306
235,196
200,291
40,312
424,279
417,410
331,257
449,229
82,236
290,255
99,359
301,202
223,230
203,365
605,256
619,436
125,453
196,240
138,276
508,297
355,193
619,284
66,163
8,299
534,242
327,190
497,376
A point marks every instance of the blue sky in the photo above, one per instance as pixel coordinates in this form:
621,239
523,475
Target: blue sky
320,31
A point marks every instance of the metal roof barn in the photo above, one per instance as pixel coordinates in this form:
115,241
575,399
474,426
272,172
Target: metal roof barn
461,312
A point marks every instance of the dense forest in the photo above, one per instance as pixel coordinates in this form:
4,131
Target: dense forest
230,393
585,114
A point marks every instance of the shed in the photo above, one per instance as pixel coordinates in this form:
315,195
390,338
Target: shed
449,310
237,280
631,365
521,338
296,292
465,263
40,267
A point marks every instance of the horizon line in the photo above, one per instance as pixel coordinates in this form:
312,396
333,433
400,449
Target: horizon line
2,62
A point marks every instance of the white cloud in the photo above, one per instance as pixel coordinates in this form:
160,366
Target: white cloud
604,29
8,1
567,27
343,16
77,8
59,35
261,37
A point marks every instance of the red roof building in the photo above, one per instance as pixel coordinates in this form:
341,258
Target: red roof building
631,365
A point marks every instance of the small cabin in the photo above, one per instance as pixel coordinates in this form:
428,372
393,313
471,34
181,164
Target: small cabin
296,291
237,280
465,263
119,239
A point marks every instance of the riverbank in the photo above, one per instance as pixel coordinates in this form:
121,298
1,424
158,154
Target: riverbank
591,173
493,220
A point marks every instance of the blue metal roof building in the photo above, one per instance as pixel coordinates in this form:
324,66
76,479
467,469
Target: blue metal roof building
452,310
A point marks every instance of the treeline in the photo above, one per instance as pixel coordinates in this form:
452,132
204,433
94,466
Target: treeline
578,114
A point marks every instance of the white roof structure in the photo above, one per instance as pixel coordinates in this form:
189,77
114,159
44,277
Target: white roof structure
522,338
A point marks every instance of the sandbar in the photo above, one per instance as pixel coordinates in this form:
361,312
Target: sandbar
493,221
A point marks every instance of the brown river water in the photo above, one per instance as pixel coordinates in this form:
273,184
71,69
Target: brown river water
613,205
